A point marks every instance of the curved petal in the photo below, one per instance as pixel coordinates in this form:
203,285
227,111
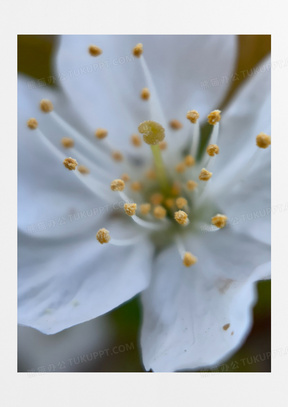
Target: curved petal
187,310
108,87
65,282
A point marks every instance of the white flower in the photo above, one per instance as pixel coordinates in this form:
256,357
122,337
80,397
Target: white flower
192,316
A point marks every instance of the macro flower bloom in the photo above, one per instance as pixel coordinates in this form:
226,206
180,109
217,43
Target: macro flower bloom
189,229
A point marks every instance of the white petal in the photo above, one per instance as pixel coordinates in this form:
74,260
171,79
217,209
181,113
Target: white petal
185,309
106,89
65,282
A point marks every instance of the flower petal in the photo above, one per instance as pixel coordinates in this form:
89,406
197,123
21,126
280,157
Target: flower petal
65,282
187,311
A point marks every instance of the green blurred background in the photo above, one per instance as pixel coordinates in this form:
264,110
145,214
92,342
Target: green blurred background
34,59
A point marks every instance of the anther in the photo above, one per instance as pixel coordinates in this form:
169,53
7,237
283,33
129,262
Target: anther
263,140
175,124
176,188
125,177
83,169
32,123
138,50
163,145
181,217
136,186
159,212
219,221
103,236
152,132
189,259
180,168
181,202
46,105
101,133
136,140
205,175
189,161
67,142
94,51
117,185
70,163
151,174
212,149
169,203
157,198
130,208
117,156
193,116
145,208
145,94
191,185
214,117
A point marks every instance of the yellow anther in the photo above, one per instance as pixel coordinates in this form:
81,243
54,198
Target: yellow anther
138,50
212,149
189,259
169,203
145,94
205,175
225,327
103,236
263,140
70,163
189,161
175,124
163,145
117,185
181,202
130,208
157,198
83,169
136,186
67,142
180,168
219,221
191,185
117,156
125,177
136,140
181,217
214,117
94,51
101,133
46,105
176,188
159,212
193,116
145,208
151,174
152,132
32,123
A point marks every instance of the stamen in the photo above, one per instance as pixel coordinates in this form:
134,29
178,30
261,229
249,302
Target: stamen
145,94
130,208
101,133
181,217
125,177
189,259
70,163
193,116
103,236
189,160
46,105
83,169
180,168
145,208
263,140
117,156
117,185
191,185
212,149
136,140
32,123
67,142
159,212
214,117
181,202
205,175
136,186
94,51
175,124
157,198
219,221
163,145
138,50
